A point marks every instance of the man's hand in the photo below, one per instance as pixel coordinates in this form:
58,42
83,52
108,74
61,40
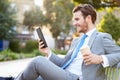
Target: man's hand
92,59
45,51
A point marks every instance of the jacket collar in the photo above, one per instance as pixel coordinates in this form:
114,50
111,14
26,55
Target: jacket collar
92,38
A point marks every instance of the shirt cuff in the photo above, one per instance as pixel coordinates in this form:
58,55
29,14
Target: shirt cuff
49,55
105,61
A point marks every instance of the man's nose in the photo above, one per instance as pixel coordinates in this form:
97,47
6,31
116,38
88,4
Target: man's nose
75,23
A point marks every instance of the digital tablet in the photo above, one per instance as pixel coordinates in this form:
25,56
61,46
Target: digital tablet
40,35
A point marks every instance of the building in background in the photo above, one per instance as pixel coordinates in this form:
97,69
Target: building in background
21,6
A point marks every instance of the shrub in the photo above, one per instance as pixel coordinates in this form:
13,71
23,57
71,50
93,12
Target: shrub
63,52
30,46
111,25
14,46
8,55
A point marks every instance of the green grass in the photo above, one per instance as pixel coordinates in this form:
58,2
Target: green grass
7,55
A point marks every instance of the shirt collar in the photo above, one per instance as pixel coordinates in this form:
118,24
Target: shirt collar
89,33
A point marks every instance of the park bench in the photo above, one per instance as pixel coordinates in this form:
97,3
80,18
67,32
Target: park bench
113,73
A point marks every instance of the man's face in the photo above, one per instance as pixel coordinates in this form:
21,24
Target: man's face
79,22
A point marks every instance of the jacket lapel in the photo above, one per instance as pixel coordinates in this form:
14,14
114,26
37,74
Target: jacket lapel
76,42
92,38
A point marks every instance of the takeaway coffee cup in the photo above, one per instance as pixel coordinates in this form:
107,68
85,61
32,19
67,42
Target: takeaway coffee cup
85,50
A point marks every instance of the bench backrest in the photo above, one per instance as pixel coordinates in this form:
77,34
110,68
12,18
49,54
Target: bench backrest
113,73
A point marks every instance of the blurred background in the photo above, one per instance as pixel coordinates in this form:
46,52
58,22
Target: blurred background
19,18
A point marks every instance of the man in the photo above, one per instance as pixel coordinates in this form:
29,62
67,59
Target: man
75,66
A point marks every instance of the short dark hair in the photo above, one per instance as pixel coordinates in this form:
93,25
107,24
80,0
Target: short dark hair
86,10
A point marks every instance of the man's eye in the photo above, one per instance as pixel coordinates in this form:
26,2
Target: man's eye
76,19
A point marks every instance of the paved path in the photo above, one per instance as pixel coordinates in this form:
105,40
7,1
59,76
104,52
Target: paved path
13,68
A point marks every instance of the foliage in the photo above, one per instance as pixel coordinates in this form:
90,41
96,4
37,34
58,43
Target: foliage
30,46
62,21
58,14
111,25
14,45
57,51
100,3
6,55
36,52
95,3
33,18
6,20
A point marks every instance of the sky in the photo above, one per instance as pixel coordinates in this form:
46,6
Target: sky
39,2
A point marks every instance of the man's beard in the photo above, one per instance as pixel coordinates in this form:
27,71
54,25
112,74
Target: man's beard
84,28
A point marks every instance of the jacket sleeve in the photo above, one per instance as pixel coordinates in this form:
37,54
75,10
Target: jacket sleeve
111,49
60,60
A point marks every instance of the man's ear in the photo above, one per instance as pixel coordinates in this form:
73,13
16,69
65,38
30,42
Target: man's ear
88,18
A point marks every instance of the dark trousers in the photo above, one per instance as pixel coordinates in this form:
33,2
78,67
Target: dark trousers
6,78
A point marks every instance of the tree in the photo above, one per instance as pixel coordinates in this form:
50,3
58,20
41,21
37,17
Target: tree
34,18
111,25
59,15
100,3
6,20
95,3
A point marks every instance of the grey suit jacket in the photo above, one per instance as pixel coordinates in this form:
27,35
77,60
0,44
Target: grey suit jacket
100,44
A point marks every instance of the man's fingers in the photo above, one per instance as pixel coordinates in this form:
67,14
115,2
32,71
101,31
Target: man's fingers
87,59
92,59
86,56
41,44
88,63
39,40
